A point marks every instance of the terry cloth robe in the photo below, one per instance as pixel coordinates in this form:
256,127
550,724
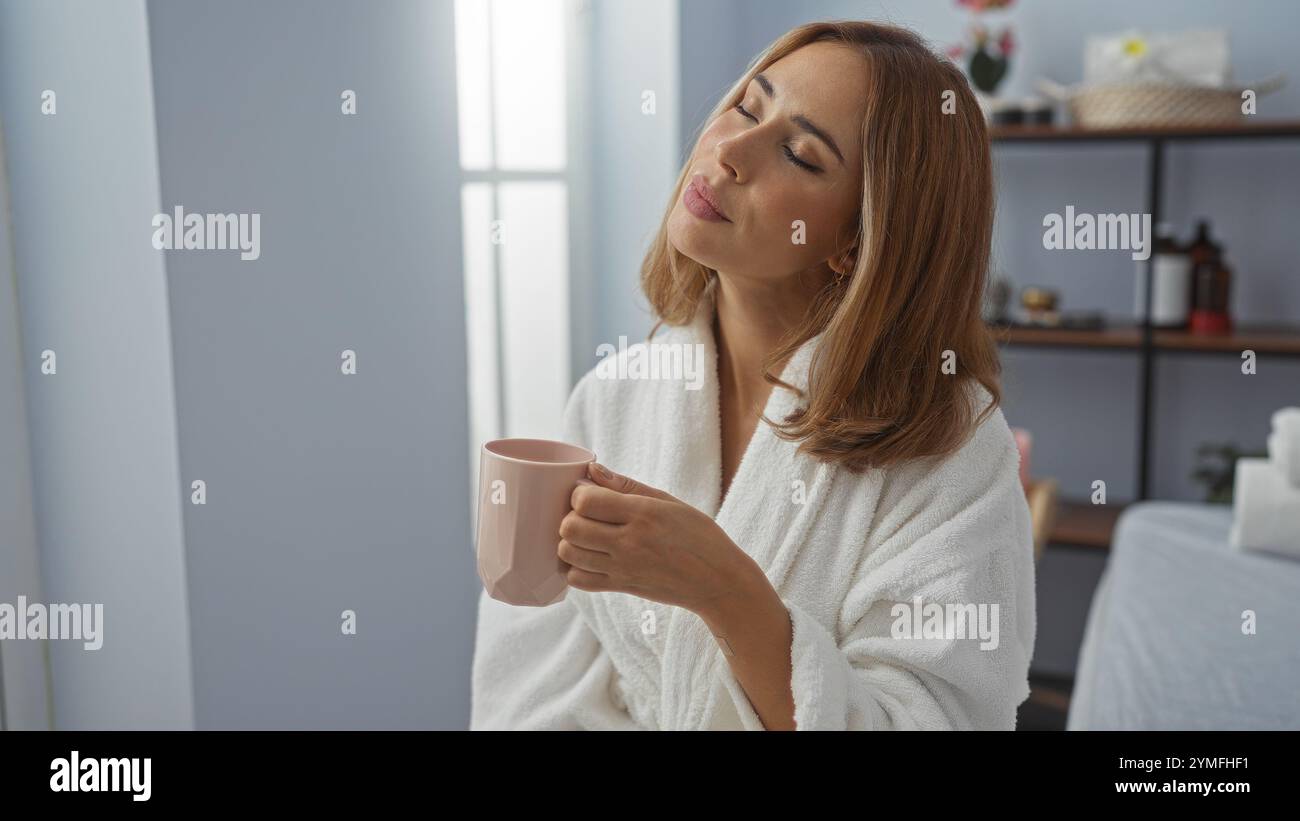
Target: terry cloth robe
847,554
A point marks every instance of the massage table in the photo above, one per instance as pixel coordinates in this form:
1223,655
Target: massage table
1164,647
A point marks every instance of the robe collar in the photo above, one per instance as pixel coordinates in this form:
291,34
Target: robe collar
701,414
775,496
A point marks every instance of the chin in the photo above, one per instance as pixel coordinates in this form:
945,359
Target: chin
684,236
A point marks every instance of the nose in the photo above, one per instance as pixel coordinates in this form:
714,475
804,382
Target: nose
729,154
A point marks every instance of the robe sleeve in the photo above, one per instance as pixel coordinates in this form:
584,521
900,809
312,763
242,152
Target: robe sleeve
956,535
542,668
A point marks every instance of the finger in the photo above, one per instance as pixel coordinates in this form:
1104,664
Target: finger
580,557
605,505
589,533
586,580
624,484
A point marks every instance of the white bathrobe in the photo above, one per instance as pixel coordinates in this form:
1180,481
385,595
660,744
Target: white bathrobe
845,553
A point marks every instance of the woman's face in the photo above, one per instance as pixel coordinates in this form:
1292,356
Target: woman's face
745,157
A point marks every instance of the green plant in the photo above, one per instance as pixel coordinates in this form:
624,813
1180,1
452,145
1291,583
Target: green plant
987,58
1217,469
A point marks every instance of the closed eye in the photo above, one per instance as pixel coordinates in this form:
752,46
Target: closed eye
790,155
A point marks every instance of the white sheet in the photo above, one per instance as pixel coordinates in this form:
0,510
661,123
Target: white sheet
1164,647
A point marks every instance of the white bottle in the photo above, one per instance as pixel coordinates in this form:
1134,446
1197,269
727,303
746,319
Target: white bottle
1171,283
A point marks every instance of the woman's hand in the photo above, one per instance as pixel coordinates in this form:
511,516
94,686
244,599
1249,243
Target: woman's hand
627,537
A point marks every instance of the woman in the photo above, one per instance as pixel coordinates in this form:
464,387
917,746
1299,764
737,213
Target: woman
848,546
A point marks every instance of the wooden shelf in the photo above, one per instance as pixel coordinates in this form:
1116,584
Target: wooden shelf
1052,698
1087,525
1278,340
1269,339
1052,133
1126,337
1082,524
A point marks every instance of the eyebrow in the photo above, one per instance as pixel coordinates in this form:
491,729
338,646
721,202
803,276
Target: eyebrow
802,121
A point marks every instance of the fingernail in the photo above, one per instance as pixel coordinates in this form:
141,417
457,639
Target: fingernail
602,471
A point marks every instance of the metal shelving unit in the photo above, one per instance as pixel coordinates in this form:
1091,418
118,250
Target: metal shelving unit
1142,338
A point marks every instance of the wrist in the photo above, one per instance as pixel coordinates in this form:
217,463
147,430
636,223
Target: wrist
750,597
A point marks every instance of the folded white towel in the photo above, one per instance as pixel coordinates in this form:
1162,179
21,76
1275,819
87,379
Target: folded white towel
1284,444
1287,419
1285,458
1266,510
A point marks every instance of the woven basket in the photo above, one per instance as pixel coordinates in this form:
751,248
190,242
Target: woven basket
1134,104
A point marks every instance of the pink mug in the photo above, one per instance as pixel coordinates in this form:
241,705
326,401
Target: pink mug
524,488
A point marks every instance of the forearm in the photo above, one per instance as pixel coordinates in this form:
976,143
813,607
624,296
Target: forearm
756,626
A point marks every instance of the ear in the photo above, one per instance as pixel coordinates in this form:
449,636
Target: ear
843,263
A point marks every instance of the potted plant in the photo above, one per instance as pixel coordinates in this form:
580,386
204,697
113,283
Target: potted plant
985,56
1217,469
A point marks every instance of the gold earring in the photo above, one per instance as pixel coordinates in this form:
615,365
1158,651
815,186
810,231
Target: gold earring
847,262
839,278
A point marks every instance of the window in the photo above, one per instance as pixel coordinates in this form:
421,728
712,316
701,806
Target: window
514,70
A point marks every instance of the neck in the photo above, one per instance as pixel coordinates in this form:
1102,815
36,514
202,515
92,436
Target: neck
751,318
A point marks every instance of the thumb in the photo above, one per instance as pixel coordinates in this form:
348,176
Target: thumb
605,477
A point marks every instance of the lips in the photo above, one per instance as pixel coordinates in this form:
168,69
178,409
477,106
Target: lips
706,192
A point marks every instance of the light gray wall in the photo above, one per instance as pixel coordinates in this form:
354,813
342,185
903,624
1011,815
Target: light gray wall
92,289
712,57
24,675
635,157
325,492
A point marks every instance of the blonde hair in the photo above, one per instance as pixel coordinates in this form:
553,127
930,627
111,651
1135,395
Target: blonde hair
876,391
